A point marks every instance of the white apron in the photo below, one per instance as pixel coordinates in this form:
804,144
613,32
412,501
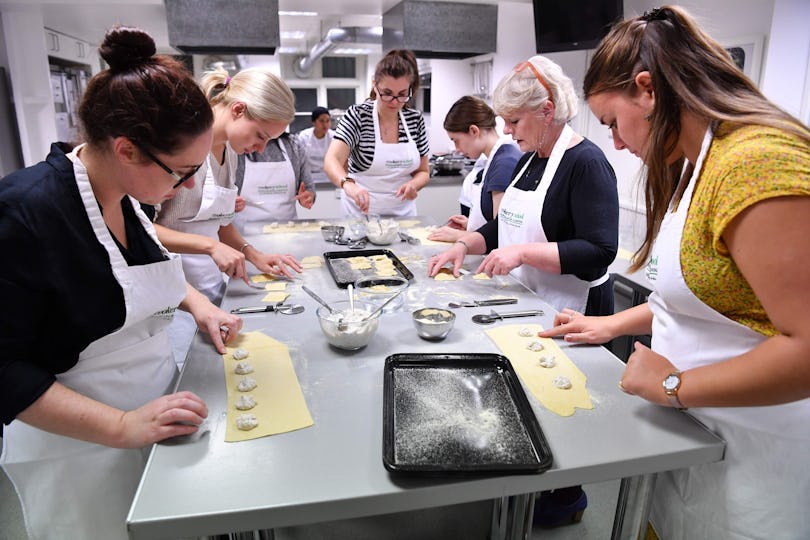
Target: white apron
391,167
477,218
761,488
217,209
520,222
74,489
271,183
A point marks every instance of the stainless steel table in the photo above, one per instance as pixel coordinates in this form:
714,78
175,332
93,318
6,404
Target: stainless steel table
333,470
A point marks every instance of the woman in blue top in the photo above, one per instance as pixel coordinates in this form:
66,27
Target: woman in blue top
470,124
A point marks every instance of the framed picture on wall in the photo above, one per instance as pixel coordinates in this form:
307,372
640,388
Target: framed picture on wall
747,54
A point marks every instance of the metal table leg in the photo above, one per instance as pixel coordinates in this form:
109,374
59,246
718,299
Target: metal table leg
633,507
512,517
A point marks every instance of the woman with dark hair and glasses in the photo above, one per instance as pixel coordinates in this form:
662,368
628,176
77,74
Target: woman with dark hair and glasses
728,210
86,362
385,144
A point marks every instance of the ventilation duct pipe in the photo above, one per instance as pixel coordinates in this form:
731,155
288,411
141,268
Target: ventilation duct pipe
354,34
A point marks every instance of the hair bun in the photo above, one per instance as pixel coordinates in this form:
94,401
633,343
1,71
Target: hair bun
125,46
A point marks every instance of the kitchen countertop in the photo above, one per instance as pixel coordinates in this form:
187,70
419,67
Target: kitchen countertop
333,470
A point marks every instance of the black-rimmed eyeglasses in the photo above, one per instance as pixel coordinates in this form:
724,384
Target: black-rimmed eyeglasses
388,98
180,179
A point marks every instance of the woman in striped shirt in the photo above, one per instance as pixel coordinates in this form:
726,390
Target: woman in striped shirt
385,144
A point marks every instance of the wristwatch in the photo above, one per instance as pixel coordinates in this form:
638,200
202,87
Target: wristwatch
344,180
672,383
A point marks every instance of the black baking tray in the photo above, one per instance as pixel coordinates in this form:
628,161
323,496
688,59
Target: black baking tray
344,275
459,414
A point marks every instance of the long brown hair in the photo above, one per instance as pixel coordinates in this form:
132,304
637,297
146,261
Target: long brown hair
702,79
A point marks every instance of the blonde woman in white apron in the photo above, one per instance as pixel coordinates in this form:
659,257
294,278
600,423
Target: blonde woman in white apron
470,124
269,188
250,108
384,172
730,342
87,361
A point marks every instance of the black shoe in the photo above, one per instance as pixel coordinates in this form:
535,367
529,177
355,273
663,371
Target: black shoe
550,513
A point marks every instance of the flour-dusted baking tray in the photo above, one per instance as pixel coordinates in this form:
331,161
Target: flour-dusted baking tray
343,273
459,414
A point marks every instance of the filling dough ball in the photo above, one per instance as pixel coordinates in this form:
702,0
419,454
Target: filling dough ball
564,383
246,384
243,368
245,402
547,361
240,354
535,346
247,421
526,332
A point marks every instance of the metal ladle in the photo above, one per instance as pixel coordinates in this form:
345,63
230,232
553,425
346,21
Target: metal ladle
494,316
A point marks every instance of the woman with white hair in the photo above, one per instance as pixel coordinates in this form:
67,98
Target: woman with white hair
557,228
557,225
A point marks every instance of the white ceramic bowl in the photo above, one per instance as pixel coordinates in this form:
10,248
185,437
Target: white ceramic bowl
351,334
433,323
382,232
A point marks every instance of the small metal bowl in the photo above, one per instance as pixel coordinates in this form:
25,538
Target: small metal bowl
332,232
433,323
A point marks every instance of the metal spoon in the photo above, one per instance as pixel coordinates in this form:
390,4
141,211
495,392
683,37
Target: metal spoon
494,316
318,299
381,306
350,290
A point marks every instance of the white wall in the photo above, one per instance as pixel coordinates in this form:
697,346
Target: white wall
786,78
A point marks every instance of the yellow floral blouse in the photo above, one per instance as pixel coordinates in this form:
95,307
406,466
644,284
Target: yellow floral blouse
743,166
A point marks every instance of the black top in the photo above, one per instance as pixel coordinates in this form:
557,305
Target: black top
580,212
59,293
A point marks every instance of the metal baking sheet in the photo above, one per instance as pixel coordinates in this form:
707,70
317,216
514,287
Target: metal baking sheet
459,414
344,274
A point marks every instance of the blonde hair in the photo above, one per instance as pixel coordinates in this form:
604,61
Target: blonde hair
265,95
523,89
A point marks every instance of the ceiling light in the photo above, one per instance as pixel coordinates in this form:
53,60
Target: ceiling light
299,13
295,34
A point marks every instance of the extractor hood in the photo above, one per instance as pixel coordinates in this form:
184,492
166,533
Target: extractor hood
441,29
223,26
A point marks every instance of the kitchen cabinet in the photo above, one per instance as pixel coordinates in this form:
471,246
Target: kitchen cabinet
65,47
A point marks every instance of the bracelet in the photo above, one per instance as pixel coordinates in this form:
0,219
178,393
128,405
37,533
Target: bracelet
346,179
242,249
463,243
